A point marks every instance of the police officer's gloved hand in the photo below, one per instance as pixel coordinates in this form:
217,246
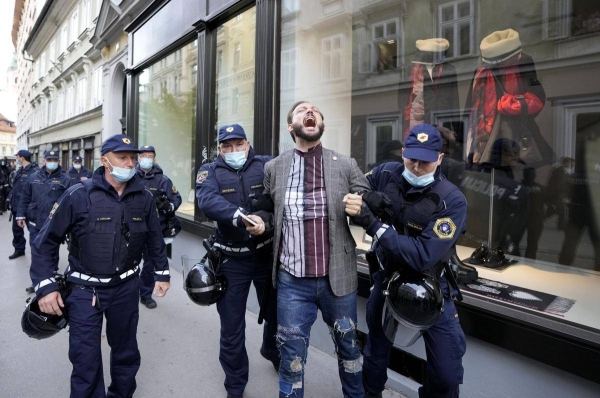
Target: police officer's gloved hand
365,218
262,201
378,202
163,205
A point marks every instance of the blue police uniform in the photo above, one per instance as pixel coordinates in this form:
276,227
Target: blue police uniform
76,175
223,195
19,182
157,183
107,234
423,228
40,193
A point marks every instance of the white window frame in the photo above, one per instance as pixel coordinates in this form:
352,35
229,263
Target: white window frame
52,54
372,123
81,95
370,48
74,28
85,14
49,112
97,97
289,6
564,9
456,23
60,107
64,37
237,54
44,67
194,74
337,53
289,68
69,103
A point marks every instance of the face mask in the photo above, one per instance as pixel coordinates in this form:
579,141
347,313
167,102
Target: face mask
77,166
146,163
52,166
121,174
18,163
235,159
415,181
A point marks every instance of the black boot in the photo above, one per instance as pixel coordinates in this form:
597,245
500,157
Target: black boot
464,273
16,254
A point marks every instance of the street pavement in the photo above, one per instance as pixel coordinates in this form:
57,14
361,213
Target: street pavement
178,341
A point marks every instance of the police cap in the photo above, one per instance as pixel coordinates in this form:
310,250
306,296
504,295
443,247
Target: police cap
77,159
51,154
147,148
231,131
118,143
424,142
23,153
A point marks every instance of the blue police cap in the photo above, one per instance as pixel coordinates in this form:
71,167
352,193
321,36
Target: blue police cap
147,148
51,154
424,142
23,153
118,143
231,131
77,159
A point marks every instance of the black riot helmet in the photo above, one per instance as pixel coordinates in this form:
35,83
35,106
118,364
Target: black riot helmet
413,303
39,325
203,284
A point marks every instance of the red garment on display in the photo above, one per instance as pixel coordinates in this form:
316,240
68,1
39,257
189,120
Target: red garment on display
510,105
414,112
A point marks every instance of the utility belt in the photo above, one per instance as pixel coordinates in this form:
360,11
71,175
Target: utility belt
245,251
80,278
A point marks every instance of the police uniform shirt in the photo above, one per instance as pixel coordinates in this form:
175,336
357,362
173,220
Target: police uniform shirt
70,215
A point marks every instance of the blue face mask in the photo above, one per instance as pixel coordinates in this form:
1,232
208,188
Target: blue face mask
121,174
235,159
51,166
415,181
146,163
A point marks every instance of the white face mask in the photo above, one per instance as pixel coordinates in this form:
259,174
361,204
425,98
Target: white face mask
121,174
76,166
417,181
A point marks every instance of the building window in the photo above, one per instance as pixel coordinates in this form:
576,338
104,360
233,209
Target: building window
194,74
44,66
289,6
455,24
331,57
52,54
219,61
74,26
64,38
171,108
60,109
49,113
70,102
237,55
288,68
556,19
81,95
97,87
85,14
384,51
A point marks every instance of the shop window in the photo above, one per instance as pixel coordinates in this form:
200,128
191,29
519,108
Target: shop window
532,183
167,120
455,24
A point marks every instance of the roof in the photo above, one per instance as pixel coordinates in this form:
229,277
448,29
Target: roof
7,125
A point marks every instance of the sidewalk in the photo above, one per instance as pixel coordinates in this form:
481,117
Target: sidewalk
178,341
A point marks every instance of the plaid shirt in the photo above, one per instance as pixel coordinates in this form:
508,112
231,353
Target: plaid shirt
304,249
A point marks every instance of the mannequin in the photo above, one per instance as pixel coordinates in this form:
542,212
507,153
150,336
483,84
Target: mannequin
504,98
433,84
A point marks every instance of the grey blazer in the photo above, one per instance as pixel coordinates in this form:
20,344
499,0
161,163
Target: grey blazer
342,176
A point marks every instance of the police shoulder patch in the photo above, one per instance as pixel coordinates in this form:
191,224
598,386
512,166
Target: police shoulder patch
53,211
173,189
201,176
444,228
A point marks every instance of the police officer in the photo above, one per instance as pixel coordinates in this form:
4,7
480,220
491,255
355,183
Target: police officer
160,185
222,190
40,193
78,172
110,219
426,216
5,171
20,179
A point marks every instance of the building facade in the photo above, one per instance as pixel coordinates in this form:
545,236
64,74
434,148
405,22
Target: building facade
61,96
8,138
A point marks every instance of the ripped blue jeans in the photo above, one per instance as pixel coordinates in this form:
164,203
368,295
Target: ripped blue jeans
298,300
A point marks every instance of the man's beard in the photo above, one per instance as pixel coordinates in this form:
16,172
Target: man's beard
299,133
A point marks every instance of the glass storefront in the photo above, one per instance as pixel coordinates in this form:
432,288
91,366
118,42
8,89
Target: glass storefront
514,88
167,119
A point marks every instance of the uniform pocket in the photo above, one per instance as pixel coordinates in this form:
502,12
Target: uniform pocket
457,336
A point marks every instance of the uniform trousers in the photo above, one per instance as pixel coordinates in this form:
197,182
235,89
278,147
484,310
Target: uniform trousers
445,346
119,305
241,272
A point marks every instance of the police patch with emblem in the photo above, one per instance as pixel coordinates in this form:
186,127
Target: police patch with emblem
444,228
201,176
53,211
173,189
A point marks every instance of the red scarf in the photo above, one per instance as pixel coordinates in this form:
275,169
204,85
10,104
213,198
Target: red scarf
414,112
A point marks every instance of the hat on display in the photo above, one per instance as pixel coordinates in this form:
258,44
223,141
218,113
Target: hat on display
231,131
52,154
118,143
147,148
23,153
77,159
424,142
430,51
500,45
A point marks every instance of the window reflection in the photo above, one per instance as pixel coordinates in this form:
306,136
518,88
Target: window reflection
167,115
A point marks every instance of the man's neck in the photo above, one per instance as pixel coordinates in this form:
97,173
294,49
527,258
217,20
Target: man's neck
25,163
304,145
118,186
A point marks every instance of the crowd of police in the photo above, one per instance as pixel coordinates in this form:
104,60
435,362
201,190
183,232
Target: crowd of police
280,224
